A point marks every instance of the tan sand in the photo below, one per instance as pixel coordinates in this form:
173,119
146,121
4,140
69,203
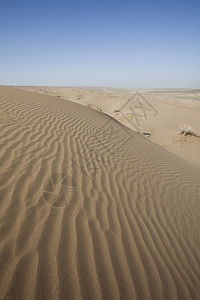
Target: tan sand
173,109
91,209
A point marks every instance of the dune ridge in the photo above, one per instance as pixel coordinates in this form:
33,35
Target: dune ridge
91,209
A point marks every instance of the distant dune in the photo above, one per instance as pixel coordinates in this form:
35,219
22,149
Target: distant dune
159,113
90,209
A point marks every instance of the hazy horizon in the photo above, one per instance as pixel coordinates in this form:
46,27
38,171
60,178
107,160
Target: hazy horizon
106,87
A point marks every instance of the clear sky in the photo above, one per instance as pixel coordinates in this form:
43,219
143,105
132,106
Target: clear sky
139,44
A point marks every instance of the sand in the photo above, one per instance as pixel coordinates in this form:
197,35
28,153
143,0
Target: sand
91,209
165,111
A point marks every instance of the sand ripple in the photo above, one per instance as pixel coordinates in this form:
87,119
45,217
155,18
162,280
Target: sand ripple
90,209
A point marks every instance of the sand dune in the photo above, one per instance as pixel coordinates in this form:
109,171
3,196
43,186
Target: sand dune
91,209
160,113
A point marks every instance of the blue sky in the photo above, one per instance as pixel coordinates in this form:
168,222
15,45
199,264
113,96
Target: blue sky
139,44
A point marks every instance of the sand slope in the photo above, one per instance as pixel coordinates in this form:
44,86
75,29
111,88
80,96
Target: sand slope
91,210
158,113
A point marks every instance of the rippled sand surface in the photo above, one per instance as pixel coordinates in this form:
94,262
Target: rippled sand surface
90,209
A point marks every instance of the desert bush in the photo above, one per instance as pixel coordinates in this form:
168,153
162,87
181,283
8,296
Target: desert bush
186,130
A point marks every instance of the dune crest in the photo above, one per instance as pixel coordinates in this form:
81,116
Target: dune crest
90,209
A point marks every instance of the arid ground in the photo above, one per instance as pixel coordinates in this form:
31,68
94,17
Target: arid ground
91,208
